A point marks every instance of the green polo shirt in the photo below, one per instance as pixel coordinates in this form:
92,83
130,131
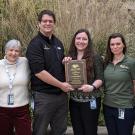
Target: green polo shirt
119,83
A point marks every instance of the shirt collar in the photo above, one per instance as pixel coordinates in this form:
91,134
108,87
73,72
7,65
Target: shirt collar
45,37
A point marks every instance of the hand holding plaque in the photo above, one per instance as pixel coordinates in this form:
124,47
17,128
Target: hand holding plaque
76,72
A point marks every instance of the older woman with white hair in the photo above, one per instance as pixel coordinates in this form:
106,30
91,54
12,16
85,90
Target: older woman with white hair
14,97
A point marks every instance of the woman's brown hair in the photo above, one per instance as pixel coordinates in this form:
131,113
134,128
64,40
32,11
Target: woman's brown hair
88,53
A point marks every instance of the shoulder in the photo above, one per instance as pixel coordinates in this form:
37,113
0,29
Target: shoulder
36,44
23,65
36,41
23,59
98,62
1,62
57,40
130,60
23,62
97,57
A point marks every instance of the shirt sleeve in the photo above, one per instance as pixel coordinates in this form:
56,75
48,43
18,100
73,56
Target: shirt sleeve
98,67
35,56
132,68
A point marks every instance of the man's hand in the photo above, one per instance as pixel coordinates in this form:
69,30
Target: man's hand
66,87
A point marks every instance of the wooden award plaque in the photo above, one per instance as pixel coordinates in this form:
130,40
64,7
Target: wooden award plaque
75,71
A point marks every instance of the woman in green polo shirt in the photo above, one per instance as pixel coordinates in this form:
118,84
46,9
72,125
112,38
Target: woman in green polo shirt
85,101
119,76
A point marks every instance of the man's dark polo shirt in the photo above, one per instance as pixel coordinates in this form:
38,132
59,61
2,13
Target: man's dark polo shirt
45,54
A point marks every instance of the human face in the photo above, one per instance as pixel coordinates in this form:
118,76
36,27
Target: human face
46,25
116,46
12,54
81,41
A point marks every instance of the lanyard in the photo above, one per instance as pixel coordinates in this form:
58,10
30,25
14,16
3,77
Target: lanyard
11,77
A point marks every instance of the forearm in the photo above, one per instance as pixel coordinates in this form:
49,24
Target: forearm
89,88
97,83
48,78
134,86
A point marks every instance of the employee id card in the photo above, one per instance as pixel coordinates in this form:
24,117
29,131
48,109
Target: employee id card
93,104
10,99
121,113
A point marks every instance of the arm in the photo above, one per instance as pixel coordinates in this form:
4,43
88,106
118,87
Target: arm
90,88
97,83
98,71
35,55
132,72
134,86
48,78
98,66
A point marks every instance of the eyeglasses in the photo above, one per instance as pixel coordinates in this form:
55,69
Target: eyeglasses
47,21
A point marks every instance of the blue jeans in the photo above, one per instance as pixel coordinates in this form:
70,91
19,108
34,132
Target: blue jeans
116,126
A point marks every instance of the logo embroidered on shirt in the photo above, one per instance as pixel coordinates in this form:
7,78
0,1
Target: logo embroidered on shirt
46,47
59,48
124,66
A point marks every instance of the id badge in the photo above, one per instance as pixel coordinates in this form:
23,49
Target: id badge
93,104
10,99
121,113
32,103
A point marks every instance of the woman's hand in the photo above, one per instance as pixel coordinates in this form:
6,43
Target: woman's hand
66,59
86,88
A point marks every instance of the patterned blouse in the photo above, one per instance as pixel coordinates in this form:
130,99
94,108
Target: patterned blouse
80,96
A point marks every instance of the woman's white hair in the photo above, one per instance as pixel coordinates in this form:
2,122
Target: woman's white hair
13,44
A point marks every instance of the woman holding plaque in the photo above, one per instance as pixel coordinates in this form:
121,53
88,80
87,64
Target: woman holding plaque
85,101
14,97
119,76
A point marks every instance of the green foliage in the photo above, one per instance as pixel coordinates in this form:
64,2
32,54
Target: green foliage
101,47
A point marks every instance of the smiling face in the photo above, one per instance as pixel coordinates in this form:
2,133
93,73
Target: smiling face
12,54
81,41
46,25
116,46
